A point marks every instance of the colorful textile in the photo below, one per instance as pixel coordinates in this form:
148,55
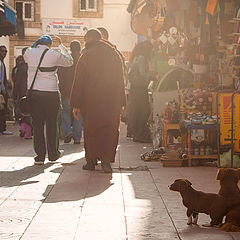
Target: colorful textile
211,5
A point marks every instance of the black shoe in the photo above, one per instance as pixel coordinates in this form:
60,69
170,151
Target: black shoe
106,167
89,166
21,133
61,153
68,138
38,161
129,135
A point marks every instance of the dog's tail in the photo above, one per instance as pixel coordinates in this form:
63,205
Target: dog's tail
229,227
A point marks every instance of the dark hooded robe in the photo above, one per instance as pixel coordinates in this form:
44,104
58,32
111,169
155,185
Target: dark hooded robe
98,91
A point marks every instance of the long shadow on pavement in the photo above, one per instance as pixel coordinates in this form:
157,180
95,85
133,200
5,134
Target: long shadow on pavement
75,184
19,177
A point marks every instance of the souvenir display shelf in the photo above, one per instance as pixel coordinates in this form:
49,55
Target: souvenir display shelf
190,154
165,129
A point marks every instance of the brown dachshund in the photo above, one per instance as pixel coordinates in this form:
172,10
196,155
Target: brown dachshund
229,189
200,202
232,221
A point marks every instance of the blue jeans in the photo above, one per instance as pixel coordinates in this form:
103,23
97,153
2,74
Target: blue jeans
16,113
66,121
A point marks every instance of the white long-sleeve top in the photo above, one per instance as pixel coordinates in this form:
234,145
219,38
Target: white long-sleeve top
46,81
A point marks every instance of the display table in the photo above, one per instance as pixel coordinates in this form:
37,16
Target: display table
165,128
205,127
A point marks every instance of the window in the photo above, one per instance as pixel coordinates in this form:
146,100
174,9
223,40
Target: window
88,8
25,10
88,5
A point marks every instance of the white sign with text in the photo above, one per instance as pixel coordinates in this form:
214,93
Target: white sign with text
69,27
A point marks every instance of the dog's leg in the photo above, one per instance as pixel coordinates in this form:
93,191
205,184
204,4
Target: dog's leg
195,217
216,218
216,221
189,214
189,222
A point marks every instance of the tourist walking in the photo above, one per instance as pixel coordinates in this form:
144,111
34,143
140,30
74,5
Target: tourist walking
98,96
72,127
45,97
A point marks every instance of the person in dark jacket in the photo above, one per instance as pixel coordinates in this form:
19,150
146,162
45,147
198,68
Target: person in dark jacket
72,127
19,78
139,77
3,91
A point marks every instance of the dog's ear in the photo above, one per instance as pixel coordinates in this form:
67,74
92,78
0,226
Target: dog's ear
188,182
184,184
220,174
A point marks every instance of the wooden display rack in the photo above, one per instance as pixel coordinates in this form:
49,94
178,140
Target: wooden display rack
166,127
192,156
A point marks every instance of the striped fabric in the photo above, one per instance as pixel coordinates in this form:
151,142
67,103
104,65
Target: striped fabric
1,6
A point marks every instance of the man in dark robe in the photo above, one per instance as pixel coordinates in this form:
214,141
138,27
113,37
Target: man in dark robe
98,95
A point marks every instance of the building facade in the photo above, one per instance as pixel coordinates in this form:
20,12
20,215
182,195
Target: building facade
70,19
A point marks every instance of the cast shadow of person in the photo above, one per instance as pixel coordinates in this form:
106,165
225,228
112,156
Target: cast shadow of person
75,184
19,177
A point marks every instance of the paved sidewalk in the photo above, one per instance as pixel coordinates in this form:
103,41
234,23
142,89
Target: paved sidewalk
60,201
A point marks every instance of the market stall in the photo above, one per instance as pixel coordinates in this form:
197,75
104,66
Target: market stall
197,53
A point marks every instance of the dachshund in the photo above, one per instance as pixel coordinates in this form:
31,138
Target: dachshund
229,189
200,202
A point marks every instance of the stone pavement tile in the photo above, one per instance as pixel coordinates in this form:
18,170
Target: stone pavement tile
103,210
153,236
112,223
235,236
24,188
71,185
10,236
54,220
33,184
61,209
138,188
45,236
150,224
145,212
206,235
130,154
100,236
105,189
130,151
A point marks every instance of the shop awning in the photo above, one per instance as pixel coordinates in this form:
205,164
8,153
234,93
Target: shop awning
8,25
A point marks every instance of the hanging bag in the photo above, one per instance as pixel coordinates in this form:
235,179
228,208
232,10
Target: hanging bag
25,102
